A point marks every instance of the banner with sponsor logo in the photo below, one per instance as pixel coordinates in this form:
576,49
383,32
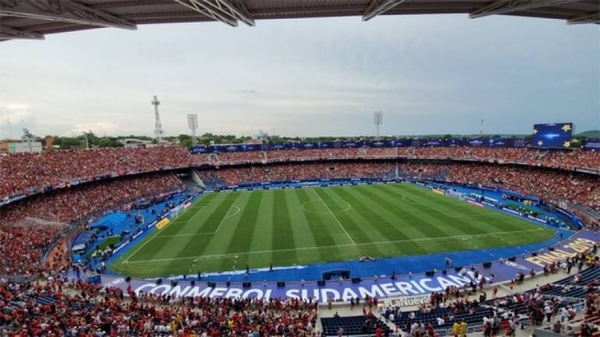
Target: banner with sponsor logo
591,145
402,287
423,142
162,223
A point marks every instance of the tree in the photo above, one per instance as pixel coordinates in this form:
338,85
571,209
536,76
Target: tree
183,137
110,142
66,143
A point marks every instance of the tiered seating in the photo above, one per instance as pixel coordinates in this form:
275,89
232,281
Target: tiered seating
352,325
567,288
470,317
22,246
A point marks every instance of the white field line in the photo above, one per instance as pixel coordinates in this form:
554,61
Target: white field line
213,256
227,216
185,235
334,217
155,235
142,246
195,214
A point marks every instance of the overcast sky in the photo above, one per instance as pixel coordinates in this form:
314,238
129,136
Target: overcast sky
428,74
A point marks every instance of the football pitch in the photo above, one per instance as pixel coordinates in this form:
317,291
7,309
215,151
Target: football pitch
227,231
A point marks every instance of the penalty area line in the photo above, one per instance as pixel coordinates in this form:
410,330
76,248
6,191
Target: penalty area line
227,216
217,256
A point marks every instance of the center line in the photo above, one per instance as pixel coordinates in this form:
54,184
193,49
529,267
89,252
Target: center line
335,217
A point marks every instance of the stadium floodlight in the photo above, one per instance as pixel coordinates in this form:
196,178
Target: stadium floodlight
378,119
28,137
193,125
158,130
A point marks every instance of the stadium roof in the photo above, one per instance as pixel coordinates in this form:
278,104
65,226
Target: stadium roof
33,19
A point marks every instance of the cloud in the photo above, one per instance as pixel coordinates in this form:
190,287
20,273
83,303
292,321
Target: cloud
15,117
571,82
306,77
98,128
306,103
245,91
17,109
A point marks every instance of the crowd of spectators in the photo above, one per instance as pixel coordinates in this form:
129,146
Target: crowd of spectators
545,184
79,309
22,245
286,172
58,306
25,173
566,160
538,182
62,308
33,173
76,203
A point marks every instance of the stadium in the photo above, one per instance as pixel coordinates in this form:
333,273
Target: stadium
403,236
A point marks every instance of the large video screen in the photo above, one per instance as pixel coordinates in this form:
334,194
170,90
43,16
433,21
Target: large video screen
552,135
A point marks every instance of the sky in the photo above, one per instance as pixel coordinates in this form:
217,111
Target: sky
429,74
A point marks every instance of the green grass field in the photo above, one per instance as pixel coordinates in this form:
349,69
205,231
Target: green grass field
226,231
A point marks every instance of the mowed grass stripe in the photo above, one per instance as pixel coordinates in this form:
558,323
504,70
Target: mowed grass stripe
446,206
471,224
183,242
305,231
283,227
300,227
240,235
415,224
409,196
353,220
285,233
196,245
358,224
322,235
389,207
262,237
499,222
426,222
198,205
383,225
337,201
339,231
181,224
155,245
215,218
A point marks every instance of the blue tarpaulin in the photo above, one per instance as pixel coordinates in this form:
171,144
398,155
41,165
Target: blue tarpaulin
82,239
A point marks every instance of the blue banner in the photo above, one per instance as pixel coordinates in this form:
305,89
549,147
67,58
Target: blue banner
503,142
591,145
401,287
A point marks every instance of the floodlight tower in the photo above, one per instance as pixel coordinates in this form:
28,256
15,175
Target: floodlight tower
158,131
193,125
481,129
28,138
378,119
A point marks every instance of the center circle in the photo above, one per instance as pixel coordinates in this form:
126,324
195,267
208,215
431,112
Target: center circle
325,207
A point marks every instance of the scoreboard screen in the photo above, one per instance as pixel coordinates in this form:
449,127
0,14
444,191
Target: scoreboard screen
552,135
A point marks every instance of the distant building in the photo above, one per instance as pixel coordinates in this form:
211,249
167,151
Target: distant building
135,143
20,147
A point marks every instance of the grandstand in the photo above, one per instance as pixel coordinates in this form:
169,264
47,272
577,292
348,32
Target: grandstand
385,237
428,165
